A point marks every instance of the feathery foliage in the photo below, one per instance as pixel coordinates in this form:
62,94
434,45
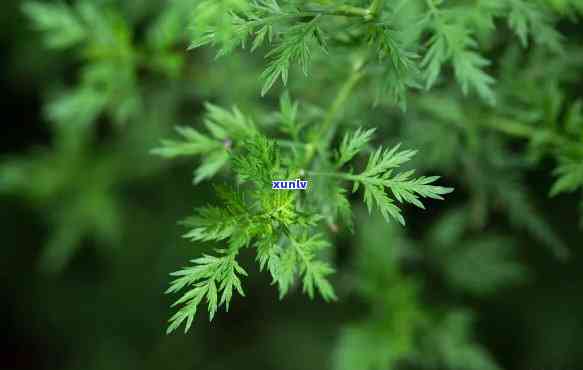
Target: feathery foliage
327,92
283,225
291,31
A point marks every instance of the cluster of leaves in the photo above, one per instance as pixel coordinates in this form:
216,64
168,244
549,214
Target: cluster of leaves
466,109
224,127
394,34
268,220
379,39
281,225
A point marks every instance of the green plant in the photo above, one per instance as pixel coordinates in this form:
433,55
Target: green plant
341,94
411,49
284,226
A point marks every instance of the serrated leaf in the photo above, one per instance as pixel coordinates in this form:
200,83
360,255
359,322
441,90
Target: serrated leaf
352,144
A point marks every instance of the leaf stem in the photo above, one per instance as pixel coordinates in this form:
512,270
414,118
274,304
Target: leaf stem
338,175
291,143
321,140
337,105
375,8
351,11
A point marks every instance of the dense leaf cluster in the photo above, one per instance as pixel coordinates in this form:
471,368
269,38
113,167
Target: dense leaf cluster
281,225
412,43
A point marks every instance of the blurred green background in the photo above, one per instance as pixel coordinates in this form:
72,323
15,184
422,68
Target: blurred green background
89,231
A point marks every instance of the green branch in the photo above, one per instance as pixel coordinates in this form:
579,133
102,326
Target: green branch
351,11
375,8
321,140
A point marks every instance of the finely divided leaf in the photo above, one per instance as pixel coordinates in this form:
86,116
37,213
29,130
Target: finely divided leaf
209,277
378,176
352,144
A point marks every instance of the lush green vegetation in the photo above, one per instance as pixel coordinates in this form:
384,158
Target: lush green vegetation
442,142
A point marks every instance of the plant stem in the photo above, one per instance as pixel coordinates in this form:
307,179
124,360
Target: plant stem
354,178
375,8
291,143
351,11
338,104
329,174
321,141
341,175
